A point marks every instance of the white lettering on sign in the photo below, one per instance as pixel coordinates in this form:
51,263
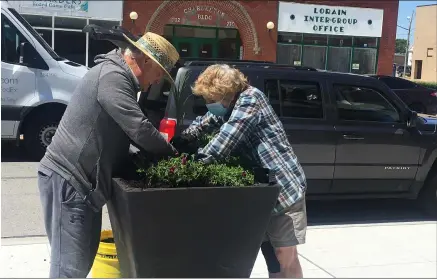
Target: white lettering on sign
209,9
81,6
204,17
175,20
329,20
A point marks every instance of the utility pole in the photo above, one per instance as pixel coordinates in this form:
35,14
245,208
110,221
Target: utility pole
408,42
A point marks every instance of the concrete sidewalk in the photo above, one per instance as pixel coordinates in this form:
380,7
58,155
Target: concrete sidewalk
391,250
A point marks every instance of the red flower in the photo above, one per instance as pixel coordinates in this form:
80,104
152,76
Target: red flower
244,174
172,169
184,160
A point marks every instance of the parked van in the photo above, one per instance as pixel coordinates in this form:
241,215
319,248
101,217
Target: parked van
36,83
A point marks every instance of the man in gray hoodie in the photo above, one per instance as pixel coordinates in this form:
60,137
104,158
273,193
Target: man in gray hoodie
101,120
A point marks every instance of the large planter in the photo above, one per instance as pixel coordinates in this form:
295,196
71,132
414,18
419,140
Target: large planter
189,232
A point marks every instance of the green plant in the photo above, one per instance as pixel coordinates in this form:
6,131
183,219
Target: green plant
184,171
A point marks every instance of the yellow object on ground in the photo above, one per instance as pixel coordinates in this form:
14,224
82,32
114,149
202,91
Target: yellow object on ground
106,262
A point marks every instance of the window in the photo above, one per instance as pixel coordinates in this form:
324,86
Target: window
289,54
193,32
364,61
314,56
96,47
429,52
397,83
297,99
314,39
339,59
45,34
11,41
295,38
365,42
71,45
340,41
70,23
39,20
363,104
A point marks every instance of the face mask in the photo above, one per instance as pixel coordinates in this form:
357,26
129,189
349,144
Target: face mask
217,109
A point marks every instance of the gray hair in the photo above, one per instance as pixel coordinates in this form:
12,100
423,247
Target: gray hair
132,51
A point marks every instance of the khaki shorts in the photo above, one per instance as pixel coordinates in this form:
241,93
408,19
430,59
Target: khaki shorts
288,229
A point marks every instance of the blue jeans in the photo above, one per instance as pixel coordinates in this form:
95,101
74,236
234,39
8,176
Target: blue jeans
72,227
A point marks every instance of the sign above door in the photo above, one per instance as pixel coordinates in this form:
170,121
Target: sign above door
207,16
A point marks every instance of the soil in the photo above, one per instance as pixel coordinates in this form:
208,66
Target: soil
108,240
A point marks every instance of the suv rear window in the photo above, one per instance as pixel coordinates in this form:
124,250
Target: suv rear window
298,99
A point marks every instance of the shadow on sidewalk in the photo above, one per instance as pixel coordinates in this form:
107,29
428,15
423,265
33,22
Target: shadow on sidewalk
364,212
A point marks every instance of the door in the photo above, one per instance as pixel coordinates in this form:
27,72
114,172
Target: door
186,47
196,47
18,81
299,102
376,152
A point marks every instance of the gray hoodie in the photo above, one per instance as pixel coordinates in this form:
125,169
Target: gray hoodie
93,135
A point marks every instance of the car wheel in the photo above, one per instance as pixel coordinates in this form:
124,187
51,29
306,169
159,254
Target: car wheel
419,108
428,195
38,135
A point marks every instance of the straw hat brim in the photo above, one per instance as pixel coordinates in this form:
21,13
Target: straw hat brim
138,46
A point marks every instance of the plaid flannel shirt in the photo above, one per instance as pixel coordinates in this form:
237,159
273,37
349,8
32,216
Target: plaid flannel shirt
254,125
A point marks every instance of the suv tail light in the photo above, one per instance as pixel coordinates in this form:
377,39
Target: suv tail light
434,94
167,128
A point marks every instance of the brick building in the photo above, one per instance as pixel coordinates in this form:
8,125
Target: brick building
349,36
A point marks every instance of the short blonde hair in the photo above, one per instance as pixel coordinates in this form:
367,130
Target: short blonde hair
218,82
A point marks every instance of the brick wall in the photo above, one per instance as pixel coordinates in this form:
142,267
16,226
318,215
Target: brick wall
260,13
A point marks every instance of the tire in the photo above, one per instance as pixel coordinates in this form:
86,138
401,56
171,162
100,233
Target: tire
417,107
428,195
38,135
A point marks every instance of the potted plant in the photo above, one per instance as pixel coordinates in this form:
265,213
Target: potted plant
177,217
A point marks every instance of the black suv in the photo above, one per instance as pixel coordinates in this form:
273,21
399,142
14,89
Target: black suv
353,136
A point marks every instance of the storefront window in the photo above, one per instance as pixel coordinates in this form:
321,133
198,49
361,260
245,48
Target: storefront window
45,34
289,54
190,32
39,20
71,45
314,39
314,56
340,41
69,41
70,23
339,59
365,42
98,47
104,23
295,38
364,61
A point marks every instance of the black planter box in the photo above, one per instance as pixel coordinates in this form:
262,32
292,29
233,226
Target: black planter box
189,232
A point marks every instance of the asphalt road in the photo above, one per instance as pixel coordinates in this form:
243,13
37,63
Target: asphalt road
21,214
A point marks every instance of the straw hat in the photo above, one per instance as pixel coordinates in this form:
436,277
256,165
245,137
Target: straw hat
158,49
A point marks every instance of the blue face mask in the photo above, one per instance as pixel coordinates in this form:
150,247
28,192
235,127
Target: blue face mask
217,109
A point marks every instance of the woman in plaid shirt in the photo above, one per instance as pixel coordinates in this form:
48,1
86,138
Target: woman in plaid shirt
247,120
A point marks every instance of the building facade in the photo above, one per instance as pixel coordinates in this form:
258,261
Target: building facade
60,23
349,36
424,64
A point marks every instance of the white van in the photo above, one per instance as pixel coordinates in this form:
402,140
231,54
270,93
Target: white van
36,84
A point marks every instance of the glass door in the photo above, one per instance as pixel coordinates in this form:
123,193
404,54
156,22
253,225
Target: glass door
206,48
185,47
196,47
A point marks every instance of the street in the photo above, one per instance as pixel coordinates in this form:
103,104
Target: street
388,238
